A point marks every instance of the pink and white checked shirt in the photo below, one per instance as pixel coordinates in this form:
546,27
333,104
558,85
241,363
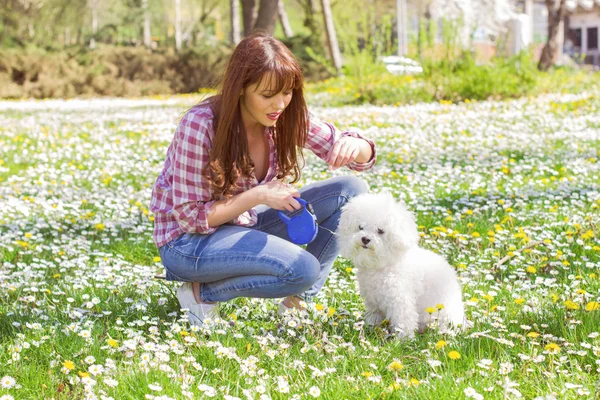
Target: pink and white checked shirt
181,197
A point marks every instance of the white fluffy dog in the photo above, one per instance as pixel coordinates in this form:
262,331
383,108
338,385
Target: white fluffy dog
398,280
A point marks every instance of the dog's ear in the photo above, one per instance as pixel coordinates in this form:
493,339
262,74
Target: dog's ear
404,226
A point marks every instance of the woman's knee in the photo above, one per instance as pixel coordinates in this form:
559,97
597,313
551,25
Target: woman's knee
352,186
304,271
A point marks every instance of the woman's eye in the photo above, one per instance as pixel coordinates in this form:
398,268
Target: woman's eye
288,93
360,228
380,231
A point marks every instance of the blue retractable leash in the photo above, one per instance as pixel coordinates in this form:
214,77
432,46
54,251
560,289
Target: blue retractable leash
302,228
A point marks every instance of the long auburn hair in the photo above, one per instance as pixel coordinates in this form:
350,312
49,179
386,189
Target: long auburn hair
255,58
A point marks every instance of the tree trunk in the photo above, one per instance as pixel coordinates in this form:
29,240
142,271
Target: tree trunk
147,35
283,19
94,7
234,9
401,27
267,16
332,42
555,16
249,15
178,25
310,10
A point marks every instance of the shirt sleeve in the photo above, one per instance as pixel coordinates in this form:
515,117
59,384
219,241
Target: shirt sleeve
323,135
192,194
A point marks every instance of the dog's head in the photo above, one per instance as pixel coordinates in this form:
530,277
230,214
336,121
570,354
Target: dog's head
375,229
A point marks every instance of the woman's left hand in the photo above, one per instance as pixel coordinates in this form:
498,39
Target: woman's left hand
344,151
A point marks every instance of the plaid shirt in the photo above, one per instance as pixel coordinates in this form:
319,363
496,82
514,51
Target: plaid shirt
181,197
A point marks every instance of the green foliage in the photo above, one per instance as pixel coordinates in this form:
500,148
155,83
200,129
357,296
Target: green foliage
447,80
108,71
464,79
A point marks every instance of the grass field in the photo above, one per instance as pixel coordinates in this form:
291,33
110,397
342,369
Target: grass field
508,191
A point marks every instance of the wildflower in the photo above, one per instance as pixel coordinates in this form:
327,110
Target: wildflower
430,310
571,305
520,300
533,335
395,366
7,382
440,344
69,365
552,348
454,355
592,306
155,387
314,391
112,343
531,269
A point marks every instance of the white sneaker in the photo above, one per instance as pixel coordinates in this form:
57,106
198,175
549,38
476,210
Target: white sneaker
197,312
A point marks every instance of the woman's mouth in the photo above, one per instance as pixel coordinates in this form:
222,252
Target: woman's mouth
274,116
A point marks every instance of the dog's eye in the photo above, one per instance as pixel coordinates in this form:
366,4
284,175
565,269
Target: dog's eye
380,231
360,228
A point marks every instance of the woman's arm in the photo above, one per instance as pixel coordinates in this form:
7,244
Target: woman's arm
274,194
340,148
223,211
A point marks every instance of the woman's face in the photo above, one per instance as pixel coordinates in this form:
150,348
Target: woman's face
260,106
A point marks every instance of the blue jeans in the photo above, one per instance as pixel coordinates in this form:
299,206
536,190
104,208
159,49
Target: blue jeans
260,261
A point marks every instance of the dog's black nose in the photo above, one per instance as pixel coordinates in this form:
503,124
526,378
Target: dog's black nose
365,240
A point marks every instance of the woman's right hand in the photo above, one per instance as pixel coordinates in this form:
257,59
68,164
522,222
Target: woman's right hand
278,195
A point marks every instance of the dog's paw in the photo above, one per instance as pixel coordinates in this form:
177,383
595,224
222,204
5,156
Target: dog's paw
374,318
403,334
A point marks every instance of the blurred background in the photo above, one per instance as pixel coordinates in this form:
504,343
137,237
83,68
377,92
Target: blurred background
352,51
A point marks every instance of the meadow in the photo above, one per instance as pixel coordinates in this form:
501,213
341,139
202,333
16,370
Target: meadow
508,191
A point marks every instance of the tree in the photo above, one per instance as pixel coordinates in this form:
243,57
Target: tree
147,35
283,19
556,14
334,48
234,9
267,16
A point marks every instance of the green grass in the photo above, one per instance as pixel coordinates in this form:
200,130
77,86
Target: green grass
485,180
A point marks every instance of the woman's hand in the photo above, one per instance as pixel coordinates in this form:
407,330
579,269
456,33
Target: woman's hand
344,151
278,195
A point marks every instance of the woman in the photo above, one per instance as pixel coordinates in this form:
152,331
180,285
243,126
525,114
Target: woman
224,180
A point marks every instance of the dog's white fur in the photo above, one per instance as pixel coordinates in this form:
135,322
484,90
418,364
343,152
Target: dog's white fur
397,279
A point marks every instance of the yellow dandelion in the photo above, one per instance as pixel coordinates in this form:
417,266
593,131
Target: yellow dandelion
454,355
531,269
395,366
319,307
415,381
571,305
69,365
552,348
331,312
592,306
99,227
440,344
533,335
112,343
520,300
156,259
430,310
439,306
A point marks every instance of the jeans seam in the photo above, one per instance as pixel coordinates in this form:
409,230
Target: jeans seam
242,288
326,247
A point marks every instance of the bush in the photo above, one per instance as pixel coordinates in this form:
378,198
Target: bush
454,81
108,71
